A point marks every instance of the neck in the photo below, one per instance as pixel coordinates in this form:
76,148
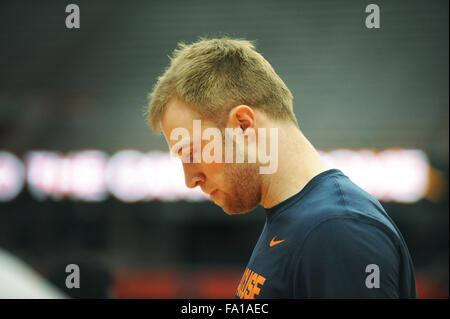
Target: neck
298,163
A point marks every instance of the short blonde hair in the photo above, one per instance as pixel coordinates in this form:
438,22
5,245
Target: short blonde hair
215,75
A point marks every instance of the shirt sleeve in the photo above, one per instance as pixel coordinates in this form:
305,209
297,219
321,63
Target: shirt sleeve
347,258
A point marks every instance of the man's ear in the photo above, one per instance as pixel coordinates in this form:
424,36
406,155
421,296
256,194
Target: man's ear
242,116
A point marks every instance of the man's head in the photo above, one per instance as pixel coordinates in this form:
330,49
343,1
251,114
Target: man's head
224,83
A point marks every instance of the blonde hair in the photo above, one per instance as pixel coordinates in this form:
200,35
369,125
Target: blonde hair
215,75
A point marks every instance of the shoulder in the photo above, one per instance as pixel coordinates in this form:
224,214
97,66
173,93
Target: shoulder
345,233
336,256
338,214
340,203
353,243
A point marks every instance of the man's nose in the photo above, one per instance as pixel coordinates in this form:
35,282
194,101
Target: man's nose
192,177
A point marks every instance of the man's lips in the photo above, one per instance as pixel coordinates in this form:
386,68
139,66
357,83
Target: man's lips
211,193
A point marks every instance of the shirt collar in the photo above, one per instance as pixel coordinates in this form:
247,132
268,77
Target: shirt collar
275,210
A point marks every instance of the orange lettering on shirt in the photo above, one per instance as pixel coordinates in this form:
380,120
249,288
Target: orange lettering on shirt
250,285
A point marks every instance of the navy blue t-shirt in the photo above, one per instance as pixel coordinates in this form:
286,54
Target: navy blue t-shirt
330,240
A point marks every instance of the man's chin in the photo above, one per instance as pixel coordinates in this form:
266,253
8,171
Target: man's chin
236,210
232,207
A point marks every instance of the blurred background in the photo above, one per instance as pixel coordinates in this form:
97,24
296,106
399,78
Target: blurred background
84,181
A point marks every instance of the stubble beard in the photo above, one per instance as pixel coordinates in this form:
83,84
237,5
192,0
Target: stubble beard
245,188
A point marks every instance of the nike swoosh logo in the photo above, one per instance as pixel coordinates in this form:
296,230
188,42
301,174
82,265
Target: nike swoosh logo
274,242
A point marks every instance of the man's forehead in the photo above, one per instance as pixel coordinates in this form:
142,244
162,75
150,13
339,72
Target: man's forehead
178,114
